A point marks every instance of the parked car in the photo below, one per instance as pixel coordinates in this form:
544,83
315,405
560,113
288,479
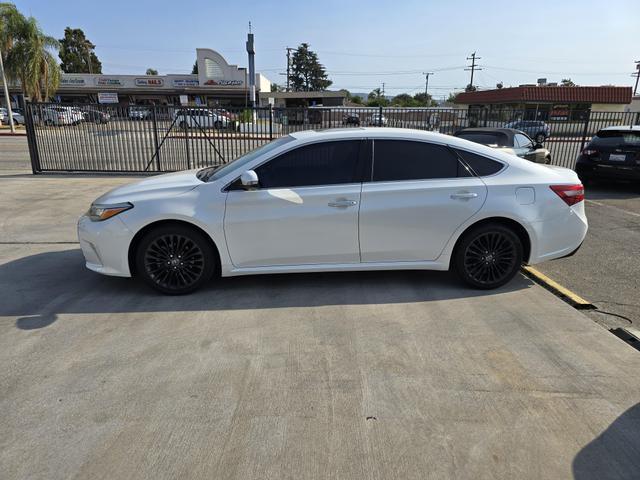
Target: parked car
58,115
95,116
377,120
200,118
139,113
612,154
536,129
508,140
341,200
350,119
18,117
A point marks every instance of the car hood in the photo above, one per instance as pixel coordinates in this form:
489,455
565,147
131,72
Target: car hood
154,187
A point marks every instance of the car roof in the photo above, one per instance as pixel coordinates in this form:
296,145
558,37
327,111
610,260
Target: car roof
509,132
621,128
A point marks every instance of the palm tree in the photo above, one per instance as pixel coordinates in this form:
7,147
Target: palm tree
28,54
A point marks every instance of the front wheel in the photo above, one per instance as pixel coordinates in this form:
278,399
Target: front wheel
175,259
488,256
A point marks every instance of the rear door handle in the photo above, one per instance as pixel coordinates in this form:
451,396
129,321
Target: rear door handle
342,203
464,195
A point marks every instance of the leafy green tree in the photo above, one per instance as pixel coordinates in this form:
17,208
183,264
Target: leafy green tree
151,71
424,100
194,70
28,56
77,53
356,99
452,97
307,73
403,100
376,99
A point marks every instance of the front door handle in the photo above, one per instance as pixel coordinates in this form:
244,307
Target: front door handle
464,195
342,203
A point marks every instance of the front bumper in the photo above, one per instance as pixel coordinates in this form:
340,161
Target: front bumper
105,245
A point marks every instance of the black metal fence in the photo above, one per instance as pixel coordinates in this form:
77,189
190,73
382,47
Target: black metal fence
105,138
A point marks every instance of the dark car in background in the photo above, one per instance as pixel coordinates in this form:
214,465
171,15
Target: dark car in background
612,154
536,129
508,140
350,119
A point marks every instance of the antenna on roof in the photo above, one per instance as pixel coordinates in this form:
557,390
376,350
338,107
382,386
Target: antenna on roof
249,27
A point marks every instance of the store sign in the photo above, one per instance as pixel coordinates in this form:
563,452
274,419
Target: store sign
185,82
72,82
224,83
107,97
108,82
149,82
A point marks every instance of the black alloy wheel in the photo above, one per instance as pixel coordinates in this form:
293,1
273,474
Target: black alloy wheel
175,259
488,256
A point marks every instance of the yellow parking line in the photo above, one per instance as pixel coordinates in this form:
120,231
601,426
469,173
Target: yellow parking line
576,300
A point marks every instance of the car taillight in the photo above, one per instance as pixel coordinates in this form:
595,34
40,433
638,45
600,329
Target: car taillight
590,152
571,194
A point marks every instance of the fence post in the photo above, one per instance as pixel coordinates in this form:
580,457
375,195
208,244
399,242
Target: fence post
155,137
270,122
31,139
379,122
585,131
186,142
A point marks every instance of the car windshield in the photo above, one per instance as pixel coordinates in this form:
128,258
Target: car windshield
617,138
490,139
214,173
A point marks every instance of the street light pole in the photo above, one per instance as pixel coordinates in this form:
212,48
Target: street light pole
426,84
6,95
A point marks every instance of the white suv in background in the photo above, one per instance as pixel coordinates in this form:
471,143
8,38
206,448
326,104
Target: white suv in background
200,118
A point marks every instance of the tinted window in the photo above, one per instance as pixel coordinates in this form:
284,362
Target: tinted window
406,160
523,141
614,139
482,166
486,138
326,163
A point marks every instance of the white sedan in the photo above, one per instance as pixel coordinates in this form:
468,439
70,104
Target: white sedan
339,200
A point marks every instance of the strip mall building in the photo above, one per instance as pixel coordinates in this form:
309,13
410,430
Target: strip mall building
217,83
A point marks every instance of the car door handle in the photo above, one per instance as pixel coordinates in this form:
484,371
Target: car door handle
342,203
464,195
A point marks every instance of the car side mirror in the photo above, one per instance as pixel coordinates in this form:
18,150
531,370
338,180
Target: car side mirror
249,179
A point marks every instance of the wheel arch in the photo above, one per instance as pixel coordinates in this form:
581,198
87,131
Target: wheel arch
135,241
514,225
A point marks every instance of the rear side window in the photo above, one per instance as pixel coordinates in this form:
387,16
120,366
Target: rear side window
406,160
616,139
325,163
482,166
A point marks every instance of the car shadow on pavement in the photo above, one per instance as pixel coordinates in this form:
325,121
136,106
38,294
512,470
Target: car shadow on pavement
615,453
603,190
38,287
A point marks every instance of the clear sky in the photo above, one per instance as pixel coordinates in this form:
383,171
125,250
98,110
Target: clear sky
365,43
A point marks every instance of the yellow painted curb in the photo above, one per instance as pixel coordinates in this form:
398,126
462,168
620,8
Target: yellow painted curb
573,298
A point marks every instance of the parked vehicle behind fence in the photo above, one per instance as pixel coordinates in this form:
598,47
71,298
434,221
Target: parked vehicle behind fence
340,200
536,129
201,118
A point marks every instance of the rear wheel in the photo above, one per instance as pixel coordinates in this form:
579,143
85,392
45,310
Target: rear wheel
175,259
488,256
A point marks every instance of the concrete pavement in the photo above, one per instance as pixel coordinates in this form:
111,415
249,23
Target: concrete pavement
359,375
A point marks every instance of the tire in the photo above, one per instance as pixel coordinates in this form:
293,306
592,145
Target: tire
48,122
547,160
540,138
217,125
183,125
488,256
161,259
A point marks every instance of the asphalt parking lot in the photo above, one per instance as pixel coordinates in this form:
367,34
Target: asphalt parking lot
360,375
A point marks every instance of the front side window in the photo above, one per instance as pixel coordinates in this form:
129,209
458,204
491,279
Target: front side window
325,163
406,160
523,141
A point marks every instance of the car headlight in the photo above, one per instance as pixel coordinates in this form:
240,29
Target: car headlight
99,213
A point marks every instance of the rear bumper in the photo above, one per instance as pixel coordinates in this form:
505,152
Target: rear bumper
597,171
560,236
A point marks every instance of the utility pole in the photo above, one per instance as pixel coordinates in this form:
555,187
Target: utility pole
473,67
637,75
382,89
6,95
426,84
288,65
252,68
